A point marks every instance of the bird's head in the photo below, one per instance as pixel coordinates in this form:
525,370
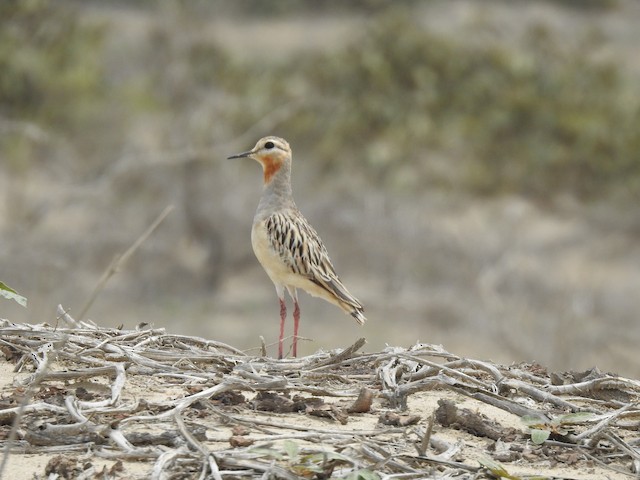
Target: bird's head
272,153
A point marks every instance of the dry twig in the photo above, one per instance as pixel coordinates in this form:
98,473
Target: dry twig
85,402
120,260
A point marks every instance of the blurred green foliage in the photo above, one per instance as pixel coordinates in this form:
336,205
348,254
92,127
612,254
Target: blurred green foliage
401,107
260,8
50,66
537,119
51,77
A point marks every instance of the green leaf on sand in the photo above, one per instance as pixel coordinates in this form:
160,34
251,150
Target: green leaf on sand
11,294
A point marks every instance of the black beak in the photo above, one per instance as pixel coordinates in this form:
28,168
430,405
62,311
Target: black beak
240,155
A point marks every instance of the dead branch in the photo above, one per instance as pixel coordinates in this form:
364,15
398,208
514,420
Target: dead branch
84,398
120,260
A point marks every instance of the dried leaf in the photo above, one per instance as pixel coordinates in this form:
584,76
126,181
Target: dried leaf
239,441
395,420
363,402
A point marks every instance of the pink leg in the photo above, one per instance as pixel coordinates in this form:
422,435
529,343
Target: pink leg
296,323
283,316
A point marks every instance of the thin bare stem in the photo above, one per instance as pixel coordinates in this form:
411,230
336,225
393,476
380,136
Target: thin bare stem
120,260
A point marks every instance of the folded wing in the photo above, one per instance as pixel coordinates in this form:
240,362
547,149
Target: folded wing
302,250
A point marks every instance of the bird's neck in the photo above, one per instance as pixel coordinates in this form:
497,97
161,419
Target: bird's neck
277,192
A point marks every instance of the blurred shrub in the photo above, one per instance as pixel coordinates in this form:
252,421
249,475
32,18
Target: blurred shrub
49,62
402,106
50,70
587,4
538,118
296,7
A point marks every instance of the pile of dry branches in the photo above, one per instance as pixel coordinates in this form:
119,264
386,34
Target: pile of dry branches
196,408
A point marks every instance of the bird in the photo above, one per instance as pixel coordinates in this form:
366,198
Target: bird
287,246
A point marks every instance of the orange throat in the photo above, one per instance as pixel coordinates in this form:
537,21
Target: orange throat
270,167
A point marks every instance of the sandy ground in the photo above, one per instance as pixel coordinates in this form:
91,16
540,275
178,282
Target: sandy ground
24,465
150,392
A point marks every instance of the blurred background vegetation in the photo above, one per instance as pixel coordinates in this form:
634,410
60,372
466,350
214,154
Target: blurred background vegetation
474,168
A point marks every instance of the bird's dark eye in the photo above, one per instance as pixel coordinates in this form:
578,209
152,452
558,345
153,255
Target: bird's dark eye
269,145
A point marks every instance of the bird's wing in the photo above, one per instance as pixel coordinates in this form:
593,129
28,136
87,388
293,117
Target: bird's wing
301,249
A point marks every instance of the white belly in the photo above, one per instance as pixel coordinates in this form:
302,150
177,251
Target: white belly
269,259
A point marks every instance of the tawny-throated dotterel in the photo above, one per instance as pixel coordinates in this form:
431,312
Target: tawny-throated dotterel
287,246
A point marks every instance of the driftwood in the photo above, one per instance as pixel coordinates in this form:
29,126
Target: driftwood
226,414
